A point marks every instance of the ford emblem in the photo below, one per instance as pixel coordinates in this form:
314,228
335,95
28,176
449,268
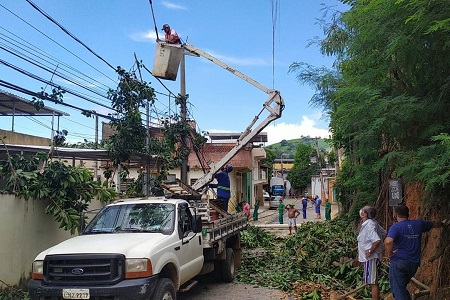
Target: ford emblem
77,271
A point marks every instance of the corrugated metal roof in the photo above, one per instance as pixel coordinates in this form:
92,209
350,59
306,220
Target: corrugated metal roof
13,105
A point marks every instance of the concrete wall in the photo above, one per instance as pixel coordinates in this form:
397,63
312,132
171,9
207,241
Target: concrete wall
23,139
25,231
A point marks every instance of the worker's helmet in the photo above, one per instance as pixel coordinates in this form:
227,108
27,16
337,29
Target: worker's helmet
228,168
165,26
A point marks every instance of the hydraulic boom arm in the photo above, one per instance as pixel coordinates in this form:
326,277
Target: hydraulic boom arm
274,105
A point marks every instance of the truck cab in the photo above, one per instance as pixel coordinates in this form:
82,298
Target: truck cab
132,249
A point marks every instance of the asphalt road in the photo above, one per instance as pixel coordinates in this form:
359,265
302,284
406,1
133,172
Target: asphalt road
208,289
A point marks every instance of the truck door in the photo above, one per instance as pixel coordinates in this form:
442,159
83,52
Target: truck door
190,252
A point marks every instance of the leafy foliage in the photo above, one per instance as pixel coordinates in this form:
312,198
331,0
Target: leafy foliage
254,237
387,97
303,169
67,190
319,252
131,95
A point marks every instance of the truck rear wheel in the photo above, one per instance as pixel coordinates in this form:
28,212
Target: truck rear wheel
229,266
164,290
238,258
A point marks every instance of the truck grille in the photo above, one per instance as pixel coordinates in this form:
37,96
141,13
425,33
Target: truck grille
84,269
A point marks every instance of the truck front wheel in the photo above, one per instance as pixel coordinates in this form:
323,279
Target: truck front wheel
164,290
228,266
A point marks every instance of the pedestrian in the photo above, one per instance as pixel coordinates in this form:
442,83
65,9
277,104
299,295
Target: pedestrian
370,247
317,204
223,187
246,209
304,206
327,210
402,246
292,215
171,35
280,211
255,211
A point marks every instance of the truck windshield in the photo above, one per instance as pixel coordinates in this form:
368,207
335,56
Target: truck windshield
146,217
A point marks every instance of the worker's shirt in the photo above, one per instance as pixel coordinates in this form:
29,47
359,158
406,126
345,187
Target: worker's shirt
172,37
407,239
223,185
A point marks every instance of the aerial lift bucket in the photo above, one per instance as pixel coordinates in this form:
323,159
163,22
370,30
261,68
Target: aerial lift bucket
167,60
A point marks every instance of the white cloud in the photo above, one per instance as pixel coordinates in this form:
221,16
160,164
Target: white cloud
285,131
276,132
171,5
149,36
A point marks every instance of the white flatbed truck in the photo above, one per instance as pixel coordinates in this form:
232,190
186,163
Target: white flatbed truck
139,249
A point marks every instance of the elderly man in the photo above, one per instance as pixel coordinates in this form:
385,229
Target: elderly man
370,247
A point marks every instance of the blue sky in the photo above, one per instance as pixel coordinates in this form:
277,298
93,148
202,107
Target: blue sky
238,32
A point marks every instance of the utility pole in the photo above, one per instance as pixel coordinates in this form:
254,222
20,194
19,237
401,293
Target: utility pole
323,195
183,113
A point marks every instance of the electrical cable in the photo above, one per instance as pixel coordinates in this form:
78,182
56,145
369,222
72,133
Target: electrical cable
52,84
34,94
68,32
275,6
57,43
55,72
37,52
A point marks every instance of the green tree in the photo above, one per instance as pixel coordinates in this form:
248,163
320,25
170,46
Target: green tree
388,97
303,169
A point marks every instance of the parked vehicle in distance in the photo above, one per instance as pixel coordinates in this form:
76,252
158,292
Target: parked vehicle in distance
274,202
277,186
266,196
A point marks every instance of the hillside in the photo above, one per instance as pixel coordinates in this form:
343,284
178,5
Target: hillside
288,147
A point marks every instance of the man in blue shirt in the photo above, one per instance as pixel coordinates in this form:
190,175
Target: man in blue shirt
304,205
402,245
223,187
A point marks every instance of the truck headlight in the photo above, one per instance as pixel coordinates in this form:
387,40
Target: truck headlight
37,269
138,268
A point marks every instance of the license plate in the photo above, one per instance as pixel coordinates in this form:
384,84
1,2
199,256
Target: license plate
75,294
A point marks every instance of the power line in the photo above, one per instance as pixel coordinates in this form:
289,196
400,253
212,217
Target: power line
34,94
37,52
54,72
52,84
56,42
68,32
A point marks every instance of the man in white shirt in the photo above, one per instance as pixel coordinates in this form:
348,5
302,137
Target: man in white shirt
370,247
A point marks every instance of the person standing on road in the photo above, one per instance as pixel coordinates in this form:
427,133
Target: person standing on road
402,246
304,206
293,213
327,210
223,187
246,209
317,204
370,247
255,211
280,211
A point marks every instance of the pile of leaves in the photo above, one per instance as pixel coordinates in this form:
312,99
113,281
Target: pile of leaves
309,264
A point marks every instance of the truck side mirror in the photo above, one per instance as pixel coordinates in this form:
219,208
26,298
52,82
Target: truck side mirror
198,224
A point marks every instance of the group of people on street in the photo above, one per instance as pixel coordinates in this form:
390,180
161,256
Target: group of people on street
401,244
304,202
293,213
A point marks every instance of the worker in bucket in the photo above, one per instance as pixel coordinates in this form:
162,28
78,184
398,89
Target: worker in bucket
171,35
223,187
